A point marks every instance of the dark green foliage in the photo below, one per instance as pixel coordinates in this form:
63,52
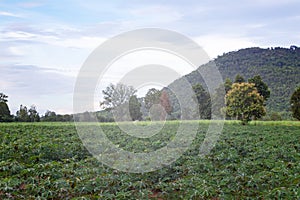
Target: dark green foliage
204,101
239,79
218,101
278,67
135,108
105,116
152,97
274,116
64,118
227,84
33,114
22,114
48,161
4,112
50,116
295,103
4,109
261,86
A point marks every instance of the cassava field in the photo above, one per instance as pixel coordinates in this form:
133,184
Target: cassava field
49,161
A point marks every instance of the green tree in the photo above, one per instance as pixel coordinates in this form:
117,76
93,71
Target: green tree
295,103
116,95
239,79
4,109
227,85
244,102
204,101
135,108
218,103
152,97
4,113
33,114
50,116
22,114
261,86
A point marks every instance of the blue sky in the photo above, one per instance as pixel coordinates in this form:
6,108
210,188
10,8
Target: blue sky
44,43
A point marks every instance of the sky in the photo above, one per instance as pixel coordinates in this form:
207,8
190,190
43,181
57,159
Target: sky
43,44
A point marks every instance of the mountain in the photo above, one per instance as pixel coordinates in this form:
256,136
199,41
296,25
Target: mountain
278,67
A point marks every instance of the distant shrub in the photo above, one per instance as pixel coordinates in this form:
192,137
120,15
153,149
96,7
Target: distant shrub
275,116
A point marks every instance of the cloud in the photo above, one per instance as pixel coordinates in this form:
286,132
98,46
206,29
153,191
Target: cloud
43,43
9,14
216,45
27,85
33,80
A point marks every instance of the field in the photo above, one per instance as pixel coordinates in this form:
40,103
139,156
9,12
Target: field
49,161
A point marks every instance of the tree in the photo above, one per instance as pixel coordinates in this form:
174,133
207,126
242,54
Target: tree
244,102
22,114
3,98
50,116
165,102
295,103
33,114
239,79
152,97
261,86
135,108
218,103
116,95
227,85
204,101
4,110
4,113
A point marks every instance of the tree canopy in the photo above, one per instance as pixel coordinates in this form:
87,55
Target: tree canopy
261,86
295,103
239,79
244,102
116,95
152,97
135,108
5,115
204,101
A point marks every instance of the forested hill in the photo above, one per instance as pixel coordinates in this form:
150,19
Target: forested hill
278,67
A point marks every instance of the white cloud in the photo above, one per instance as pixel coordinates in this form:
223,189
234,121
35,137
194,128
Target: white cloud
216,45
9,14
29,85
80,42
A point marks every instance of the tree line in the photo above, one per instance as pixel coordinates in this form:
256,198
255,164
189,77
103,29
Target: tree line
239,99
31,114
243,100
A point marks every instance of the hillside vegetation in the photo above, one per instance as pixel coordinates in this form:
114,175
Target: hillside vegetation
278,67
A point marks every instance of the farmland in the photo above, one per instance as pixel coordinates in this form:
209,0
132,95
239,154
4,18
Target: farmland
49,161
